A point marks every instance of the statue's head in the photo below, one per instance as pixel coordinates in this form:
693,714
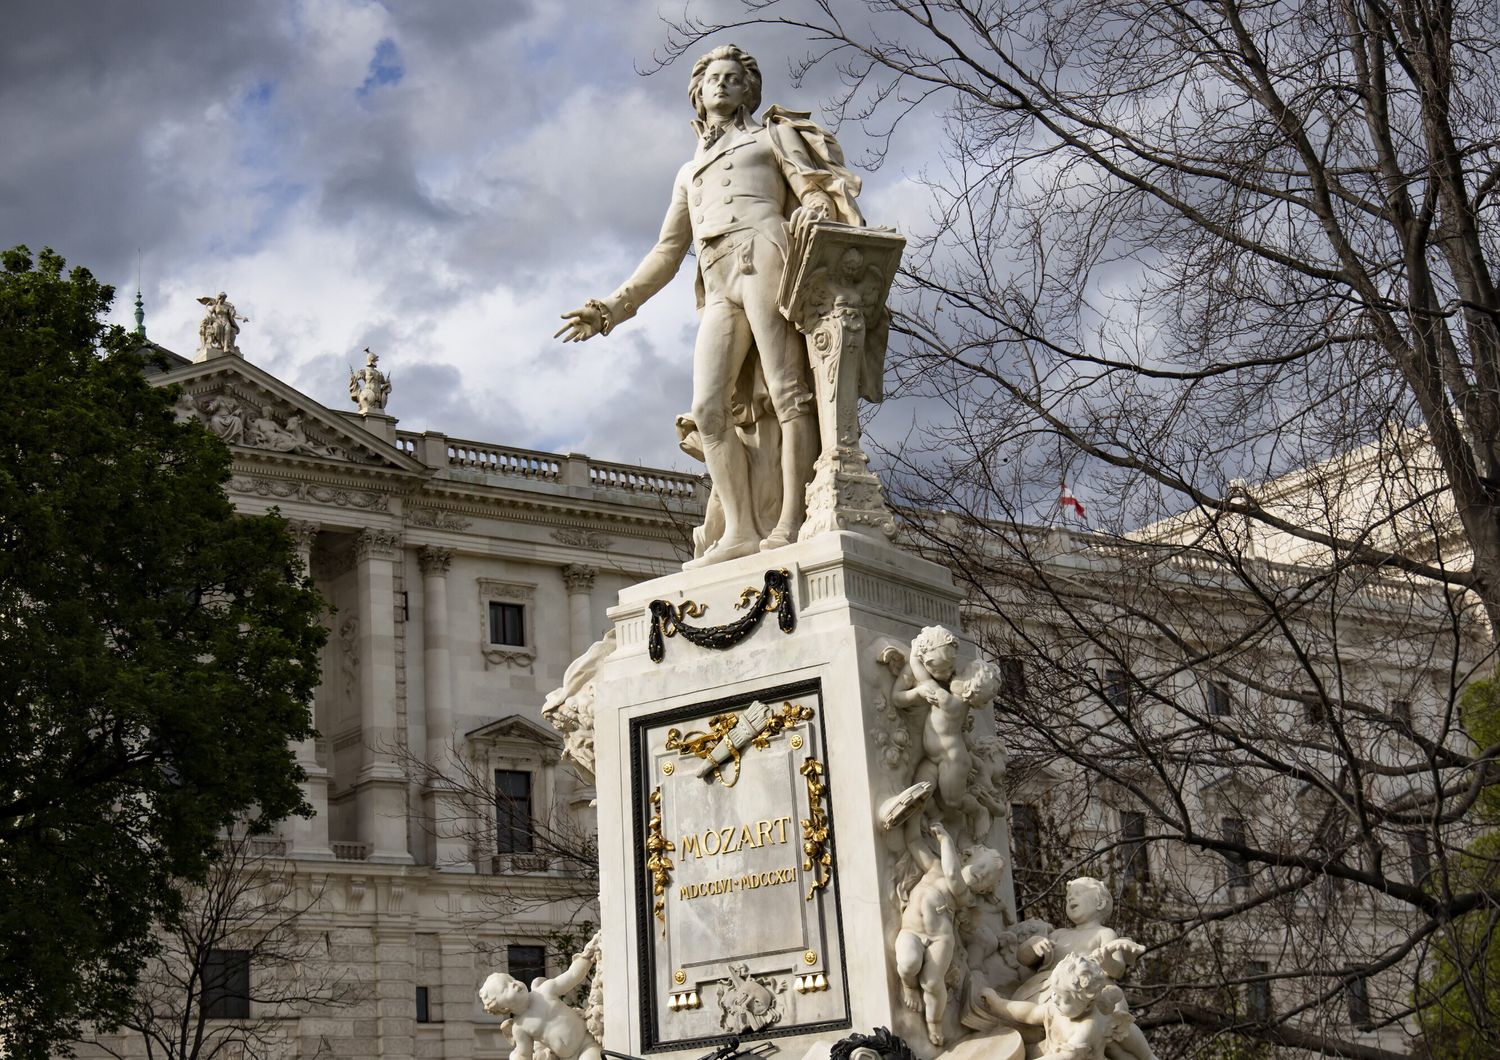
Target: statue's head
1075,983
502,995
983,867
726,53
979,683
1088,897
937,650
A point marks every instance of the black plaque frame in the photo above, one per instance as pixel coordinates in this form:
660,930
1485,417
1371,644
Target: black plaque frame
644,933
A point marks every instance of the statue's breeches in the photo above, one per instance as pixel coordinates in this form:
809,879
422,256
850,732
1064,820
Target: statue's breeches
740,289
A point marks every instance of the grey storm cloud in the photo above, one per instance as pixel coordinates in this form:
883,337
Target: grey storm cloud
436,180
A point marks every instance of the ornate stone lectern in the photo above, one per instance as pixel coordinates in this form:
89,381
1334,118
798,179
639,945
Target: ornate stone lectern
834,291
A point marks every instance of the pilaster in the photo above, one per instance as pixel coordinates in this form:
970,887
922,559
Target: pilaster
381,800
456,992
307,837
578,579
442,808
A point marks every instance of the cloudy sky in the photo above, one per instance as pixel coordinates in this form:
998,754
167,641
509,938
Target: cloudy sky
435,179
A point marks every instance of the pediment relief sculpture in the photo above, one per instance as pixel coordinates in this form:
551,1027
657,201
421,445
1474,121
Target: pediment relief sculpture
260,423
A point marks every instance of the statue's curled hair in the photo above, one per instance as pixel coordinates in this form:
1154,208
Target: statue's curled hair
736,54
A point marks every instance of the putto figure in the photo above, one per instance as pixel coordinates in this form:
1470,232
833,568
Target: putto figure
220,328
1084,1016
928,939
747,188
369,387
1088,904
539,1017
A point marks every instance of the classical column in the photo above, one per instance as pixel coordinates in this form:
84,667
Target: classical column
579,581
307,837
442,807
437,685
381,798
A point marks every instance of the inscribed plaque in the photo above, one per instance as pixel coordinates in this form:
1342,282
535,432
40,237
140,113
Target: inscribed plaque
739,926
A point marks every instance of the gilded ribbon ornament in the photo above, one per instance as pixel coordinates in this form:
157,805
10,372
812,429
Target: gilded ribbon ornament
729,734
658,846
816,857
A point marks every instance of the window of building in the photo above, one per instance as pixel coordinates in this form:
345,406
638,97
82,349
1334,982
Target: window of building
1025,835
1134,854
1401,710
1012,676
526,962
1314,709
1119,688
1232,830
1357,998
514,830
507,624
1418,857
1220,702
1257,991
226,985
424,1010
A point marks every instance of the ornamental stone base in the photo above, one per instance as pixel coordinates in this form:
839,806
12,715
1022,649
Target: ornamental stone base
749,881
846,495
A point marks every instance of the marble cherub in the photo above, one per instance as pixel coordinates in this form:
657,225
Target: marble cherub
926,679
1088,904
1083,1018
928,938
538,1017
985,798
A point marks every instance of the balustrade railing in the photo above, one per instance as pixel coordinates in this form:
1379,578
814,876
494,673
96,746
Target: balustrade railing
642,480
529,464
504,460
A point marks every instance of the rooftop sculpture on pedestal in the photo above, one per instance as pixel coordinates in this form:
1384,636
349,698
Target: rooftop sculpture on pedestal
369,387
220,328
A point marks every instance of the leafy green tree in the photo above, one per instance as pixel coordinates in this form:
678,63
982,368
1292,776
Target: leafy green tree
1464,975
157,653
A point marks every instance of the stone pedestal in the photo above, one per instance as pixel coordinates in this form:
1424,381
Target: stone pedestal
379,423
757,895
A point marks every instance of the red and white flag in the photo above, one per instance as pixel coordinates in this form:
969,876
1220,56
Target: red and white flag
1067,501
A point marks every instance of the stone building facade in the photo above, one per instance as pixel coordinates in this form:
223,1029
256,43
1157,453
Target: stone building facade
463,578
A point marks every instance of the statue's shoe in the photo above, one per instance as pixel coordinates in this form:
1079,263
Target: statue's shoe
723,551
776,539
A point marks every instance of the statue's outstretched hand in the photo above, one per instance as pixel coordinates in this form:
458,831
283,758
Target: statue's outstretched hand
582,323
